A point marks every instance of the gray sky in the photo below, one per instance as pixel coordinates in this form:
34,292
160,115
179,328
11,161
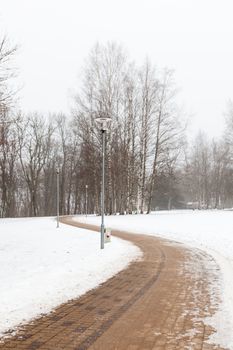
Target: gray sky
194,37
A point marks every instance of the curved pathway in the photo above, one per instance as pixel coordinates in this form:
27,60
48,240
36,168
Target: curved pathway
157,303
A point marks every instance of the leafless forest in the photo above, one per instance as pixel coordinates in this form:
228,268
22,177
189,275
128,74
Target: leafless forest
149,163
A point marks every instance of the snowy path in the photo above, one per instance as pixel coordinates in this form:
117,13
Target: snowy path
211,231
159,302
42,266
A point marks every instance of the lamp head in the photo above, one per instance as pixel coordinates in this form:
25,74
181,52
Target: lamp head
103,122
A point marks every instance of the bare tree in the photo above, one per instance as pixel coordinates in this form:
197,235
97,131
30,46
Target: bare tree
34,138
7,71
148,91
168,132
101,95
221,162
8,163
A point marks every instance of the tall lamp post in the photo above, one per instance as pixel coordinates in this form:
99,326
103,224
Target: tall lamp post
58,197
103,122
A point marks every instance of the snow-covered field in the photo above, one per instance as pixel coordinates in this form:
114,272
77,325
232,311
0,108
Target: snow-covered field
42,266
211,231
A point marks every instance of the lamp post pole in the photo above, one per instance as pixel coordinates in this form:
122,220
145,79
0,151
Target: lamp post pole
103,187
58,199
86,199
103,121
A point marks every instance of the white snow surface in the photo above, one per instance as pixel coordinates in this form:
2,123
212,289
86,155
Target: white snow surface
42,266
211,231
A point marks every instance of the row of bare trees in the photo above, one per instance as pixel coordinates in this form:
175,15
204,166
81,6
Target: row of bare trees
208,170
144,139
148,164
207,173
146,133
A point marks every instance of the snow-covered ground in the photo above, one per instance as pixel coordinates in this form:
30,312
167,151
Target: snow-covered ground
42,266
211,231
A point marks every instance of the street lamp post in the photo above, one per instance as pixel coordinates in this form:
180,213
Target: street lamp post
58,199
86,199
103,127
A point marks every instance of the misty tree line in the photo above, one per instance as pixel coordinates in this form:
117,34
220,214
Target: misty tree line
148,163
208,171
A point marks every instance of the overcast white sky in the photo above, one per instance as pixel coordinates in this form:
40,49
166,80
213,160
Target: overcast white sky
194,37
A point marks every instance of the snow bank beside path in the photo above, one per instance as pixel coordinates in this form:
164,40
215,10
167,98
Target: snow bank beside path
42,266
211,231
